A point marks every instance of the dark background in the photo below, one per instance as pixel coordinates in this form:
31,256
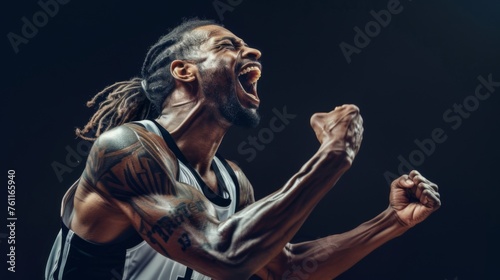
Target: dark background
426,60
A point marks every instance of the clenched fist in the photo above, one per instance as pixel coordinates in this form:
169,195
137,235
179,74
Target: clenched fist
340,131
414,198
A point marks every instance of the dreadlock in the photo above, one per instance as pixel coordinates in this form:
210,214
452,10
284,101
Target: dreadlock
141,98
124,102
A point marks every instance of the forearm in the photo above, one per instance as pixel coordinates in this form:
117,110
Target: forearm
328,257
259,232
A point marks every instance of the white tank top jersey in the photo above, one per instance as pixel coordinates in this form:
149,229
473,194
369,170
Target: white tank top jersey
72,257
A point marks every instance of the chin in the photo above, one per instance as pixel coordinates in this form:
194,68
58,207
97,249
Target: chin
237,114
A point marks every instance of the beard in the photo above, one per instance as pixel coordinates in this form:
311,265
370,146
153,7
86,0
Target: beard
235,113
224,93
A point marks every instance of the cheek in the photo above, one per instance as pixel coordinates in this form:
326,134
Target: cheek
220,62
220,75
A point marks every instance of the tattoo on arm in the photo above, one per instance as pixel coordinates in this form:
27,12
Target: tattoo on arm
166,225
184,241
136,175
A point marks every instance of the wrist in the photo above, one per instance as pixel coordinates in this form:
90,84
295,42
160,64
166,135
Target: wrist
394,222
337,158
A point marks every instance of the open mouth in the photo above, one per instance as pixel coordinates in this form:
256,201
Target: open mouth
248,77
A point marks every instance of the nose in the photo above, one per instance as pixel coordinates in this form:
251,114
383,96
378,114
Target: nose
249,52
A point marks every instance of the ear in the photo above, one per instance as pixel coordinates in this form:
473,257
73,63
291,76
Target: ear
183,71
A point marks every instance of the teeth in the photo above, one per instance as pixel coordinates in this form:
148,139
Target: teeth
249,69
254,78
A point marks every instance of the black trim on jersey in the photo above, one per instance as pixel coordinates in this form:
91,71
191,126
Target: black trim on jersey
64,234
87,260
211,195
233,176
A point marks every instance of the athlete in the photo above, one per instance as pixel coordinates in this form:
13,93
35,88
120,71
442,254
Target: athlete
156,200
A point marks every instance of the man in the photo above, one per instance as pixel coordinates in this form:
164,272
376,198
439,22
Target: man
156,200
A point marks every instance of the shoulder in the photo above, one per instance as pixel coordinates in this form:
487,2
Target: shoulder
130,144
123,136
128,161
132,135
242,178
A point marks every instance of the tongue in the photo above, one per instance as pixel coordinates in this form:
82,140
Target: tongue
248,87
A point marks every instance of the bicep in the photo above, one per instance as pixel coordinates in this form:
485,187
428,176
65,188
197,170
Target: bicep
181,227
177,226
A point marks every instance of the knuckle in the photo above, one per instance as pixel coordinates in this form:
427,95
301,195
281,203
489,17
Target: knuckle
419,178
437,204
401,178
316,118
352,107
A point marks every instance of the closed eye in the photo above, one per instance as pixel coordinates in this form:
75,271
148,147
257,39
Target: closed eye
229,43
226,45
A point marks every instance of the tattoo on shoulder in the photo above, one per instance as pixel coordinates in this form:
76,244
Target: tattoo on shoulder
139,169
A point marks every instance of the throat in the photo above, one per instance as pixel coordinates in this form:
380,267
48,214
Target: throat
198,137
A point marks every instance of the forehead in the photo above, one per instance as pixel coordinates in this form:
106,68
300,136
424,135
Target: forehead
214,32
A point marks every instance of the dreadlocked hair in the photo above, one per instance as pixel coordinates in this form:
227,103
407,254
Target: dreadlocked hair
130,100
124,102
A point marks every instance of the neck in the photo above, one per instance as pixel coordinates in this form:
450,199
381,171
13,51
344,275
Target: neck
197,129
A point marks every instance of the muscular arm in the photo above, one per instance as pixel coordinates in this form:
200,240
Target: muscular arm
328,257
175,219
412,199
